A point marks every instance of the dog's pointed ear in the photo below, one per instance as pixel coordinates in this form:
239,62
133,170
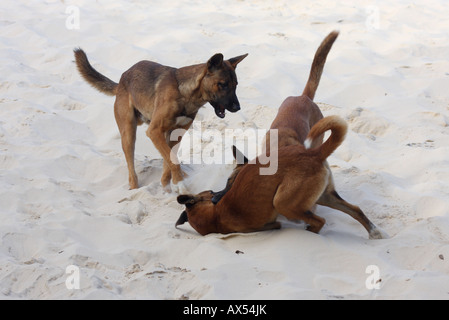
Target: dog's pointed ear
215,62
236,60
239,156
186,199
183,218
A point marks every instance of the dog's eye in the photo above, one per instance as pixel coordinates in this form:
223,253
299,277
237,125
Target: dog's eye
222,85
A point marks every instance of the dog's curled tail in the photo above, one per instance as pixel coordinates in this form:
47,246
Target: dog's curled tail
92,76
338,128
318,65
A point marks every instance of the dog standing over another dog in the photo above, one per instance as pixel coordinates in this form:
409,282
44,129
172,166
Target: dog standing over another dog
303,180
167,99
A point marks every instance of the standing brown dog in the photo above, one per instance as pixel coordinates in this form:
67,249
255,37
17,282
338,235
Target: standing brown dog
167,99
295,118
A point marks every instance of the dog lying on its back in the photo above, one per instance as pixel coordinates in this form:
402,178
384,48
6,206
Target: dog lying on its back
295,118
167,99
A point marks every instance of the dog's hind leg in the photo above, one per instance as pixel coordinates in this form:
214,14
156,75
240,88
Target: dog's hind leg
296,206
268,226
127,124
315,223
271,226
330,198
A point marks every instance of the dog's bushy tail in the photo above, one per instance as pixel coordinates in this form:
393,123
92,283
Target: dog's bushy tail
338,128
318,64
92,76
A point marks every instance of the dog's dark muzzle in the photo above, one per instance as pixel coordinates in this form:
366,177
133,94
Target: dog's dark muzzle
221,106
234,108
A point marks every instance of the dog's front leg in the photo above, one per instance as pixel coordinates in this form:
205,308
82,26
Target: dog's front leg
166,177
166,172
158,137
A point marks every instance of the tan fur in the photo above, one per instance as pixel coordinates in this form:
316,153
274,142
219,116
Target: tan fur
308,179
292,191
167,99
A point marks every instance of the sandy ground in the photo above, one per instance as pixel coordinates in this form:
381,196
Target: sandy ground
64,198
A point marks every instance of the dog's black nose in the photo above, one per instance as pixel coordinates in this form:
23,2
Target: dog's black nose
235,107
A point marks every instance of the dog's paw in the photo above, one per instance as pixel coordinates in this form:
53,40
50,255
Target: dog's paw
180,188
167,188
377,233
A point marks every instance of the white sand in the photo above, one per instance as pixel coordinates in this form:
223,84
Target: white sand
64,197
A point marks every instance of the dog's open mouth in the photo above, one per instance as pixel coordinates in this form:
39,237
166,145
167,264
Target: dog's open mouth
220,111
